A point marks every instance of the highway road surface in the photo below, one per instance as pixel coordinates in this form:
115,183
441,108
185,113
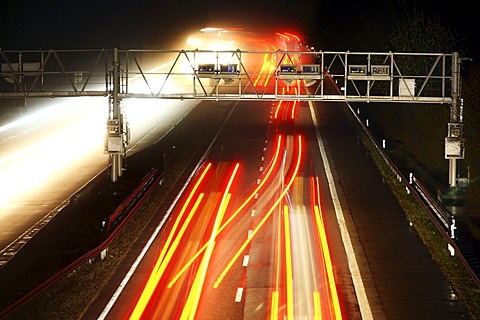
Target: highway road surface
282,221
50,154
285,217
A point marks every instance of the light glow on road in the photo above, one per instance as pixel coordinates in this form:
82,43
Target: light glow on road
335,302
267,215
288,263
30,167
160,265
194,297
239,209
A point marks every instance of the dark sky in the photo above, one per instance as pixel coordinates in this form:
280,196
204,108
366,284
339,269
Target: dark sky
138,23
32,24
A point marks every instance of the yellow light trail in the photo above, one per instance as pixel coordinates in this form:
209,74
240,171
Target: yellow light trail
293,109
317,306
156,274
175,243
235,214
274,303
196,290
265,218
264,66
288,263
274,309
328,263
277,109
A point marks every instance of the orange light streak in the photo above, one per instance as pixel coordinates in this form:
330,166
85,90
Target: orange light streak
156,275
327,258
271,70
293,36
266,65
317,315
274,308
235,214
278,109
288,263
265,218
196,290
283,36
193,300
293,109
274,302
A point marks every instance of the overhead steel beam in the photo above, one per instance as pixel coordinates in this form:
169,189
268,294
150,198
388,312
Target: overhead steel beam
239,75
432,78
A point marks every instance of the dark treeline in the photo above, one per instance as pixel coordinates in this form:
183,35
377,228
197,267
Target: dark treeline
416,132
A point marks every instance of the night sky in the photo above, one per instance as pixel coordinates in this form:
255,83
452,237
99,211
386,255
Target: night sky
59,24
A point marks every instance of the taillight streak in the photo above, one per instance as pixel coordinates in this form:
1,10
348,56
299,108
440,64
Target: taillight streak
334,301
239,209
160,265
277,109
288,262
293,110
196,290
265,218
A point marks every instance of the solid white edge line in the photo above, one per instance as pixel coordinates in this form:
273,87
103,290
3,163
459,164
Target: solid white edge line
362,299
134,266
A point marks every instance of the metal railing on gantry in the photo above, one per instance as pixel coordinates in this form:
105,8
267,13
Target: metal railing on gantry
236,75
231,75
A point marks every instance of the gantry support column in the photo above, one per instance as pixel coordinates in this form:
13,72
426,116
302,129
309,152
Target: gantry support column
117,127
454,142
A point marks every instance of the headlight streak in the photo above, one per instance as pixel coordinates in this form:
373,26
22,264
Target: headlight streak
267,215
34,165
160,265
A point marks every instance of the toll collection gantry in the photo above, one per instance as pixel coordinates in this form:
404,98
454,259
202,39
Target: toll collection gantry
118,74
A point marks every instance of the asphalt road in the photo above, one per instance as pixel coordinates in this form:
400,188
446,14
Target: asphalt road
48,156
396,277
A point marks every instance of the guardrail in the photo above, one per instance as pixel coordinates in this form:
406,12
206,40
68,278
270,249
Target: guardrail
438,215
131,203
116,221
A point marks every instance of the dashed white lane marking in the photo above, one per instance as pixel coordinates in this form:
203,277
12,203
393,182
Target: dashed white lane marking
253,213
362,299
246,258
238,296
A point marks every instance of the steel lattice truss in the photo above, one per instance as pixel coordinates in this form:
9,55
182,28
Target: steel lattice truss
230,75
